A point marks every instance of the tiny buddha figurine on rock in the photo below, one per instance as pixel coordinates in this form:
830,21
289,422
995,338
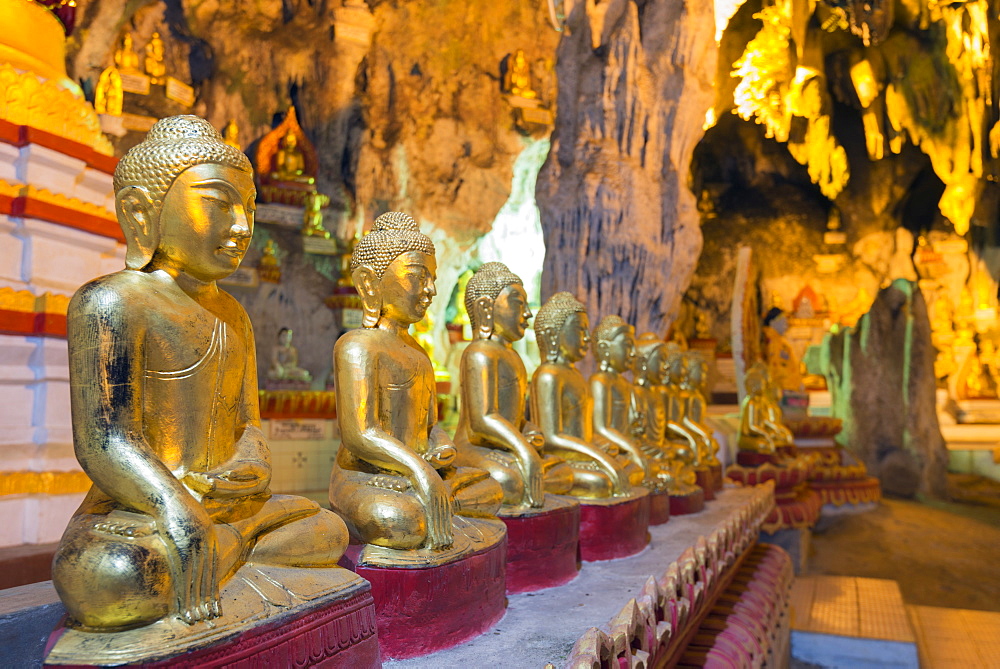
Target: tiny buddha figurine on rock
431,545
542,530
179,545
285,373
615,510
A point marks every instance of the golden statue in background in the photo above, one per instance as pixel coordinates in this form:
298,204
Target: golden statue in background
231,134
761,429
492,433
517,80
154,59
394,480
649,411
562,405
126,59
682,442
289,162
695,408
614,349
163,387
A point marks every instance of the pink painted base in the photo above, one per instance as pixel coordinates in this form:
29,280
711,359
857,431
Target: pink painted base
421,611
614,531
542,549
337,635
659,507
706,482
681,505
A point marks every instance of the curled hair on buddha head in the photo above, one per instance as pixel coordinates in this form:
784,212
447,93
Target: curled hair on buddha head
488,281
606,330
393,234
172,145
550,321
648,345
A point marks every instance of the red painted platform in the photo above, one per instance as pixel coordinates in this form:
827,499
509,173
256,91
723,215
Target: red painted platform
543,548
341,634
681,505
659,507
706,481
426,609
717,476
614,528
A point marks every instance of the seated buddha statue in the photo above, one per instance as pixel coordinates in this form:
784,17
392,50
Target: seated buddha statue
649,411
517,80
492,432
289,163
285,360
562,406
163,387
758,432
696,409
681,442
614,349
394,481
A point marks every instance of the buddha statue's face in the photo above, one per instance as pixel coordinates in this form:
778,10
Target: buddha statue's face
291,141
511,313
285,337
206,222
574,338
407,287
620,351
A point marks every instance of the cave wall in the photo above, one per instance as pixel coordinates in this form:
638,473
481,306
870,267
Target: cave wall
620,223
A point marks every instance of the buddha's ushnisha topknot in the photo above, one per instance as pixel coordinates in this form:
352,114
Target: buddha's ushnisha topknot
393,234
488,281
172,145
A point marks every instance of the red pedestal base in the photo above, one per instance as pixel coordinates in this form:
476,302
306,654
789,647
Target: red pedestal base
424,610
614,529
706,482
659,507
543,548
716,476
681,505
751,459
337,635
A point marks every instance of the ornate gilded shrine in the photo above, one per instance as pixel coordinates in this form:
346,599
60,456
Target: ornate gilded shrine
287,165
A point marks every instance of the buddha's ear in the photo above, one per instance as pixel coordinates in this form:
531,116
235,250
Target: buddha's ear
139,220
483,307
366,281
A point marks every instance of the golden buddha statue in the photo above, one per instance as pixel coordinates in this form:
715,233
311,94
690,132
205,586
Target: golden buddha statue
682,443
269,267
126,59
562,406
758,432
492,433
312,218
165,415
517,80
155,67
649,411
696,409
614,349
782,362
231,134
394,479
289,162
285,361
108,94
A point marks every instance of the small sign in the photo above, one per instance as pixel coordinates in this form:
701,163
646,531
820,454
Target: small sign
137,123
243,277
540,116
956,246
834,237
135,82
180,92
319,246
299,429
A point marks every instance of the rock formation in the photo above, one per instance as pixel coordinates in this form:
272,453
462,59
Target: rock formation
621,227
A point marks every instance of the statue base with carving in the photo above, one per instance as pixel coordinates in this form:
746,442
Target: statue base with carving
429,600
614,527
688,502
272,614
542,544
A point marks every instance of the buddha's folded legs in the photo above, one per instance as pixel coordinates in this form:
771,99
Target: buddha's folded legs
503,468
474,492
558,475
590,481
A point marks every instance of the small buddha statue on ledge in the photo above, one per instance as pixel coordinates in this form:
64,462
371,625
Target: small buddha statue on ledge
163,387
492,432
696,409
394,481
289,163
517,80
285,361
563,408
614,349
649,410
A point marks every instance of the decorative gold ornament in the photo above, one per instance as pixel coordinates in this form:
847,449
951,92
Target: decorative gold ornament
165,416
492,432
395,481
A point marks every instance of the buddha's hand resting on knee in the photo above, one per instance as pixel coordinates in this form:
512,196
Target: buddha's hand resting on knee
435,495
192,552
441,456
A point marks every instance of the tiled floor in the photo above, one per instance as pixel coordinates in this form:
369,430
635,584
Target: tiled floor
863,608
956,638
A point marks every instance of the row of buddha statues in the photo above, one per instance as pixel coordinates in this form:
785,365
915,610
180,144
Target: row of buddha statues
166,421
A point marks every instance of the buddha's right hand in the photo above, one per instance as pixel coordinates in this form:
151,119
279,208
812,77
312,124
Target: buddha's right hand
192,553
435,495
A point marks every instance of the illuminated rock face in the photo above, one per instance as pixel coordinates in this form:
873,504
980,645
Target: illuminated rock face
621,227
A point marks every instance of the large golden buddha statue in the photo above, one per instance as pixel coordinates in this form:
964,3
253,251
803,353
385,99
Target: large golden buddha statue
614,349
165,419
492,433
394,480
562,405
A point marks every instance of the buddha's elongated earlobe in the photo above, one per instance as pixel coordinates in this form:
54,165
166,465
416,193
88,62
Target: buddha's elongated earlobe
371,299
484,316
139,220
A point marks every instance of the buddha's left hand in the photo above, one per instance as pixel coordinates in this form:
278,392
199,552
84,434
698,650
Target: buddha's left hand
440,456
242,479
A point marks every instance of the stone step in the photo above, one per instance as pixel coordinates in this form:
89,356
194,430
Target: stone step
844,621
956,638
